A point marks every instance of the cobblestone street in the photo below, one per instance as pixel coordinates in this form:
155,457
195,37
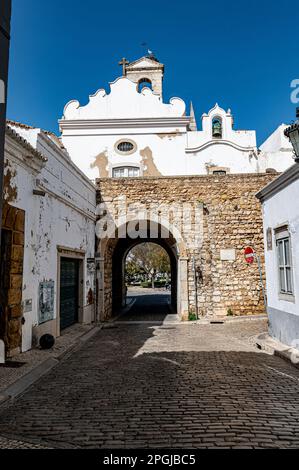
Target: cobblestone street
171,385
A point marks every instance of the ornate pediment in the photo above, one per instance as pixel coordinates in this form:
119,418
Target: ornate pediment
124,102
145,62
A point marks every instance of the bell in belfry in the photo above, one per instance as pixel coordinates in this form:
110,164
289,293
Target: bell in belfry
217,128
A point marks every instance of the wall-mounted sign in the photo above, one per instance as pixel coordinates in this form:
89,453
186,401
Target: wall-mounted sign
228,255
269,239
91,265
46,302
249,255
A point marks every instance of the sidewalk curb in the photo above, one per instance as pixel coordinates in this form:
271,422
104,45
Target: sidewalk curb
22,384
268,344
27,380
241,318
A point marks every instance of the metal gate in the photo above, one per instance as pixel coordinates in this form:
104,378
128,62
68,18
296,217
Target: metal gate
69,285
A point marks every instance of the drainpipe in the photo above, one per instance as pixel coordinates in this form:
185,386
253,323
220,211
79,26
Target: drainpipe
195,286
5,16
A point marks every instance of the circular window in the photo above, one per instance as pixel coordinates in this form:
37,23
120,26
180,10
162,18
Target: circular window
125,147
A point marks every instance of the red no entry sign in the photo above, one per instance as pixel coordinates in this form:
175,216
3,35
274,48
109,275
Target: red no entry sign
249,254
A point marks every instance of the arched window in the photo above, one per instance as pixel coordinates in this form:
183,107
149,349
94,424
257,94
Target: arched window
217,128
144,82
126,172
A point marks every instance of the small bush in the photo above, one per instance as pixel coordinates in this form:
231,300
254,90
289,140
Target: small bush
230,313
192,316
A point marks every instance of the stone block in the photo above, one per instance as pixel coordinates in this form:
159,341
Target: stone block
20,221
14,334
18,238
17,253
16,311
5,210
16,267
16,281
10,218
14,297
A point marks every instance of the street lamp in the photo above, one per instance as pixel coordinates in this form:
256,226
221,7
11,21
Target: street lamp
292,133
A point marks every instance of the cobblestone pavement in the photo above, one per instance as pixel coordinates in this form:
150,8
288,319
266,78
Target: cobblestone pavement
31,359
150,305
177,386
10,444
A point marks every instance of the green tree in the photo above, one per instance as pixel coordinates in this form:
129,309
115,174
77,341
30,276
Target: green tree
150,259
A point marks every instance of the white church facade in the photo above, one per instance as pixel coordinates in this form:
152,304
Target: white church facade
131,132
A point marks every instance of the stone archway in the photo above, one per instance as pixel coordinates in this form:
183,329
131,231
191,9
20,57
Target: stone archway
114,250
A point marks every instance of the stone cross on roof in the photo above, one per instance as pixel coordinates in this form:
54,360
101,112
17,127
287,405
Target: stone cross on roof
124,62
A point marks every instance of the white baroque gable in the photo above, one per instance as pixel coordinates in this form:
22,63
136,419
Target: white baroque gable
124,101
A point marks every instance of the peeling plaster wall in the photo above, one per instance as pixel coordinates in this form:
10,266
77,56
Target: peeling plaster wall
174,151
101,163
10,190
64,217
95,154
148,163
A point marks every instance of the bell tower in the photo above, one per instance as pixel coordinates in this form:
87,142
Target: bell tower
147,71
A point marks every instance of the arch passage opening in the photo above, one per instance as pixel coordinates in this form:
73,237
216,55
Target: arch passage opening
144,279
148,282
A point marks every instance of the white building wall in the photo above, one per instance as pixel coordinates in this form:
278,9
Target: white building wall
64,217
276,151
96,154
282,209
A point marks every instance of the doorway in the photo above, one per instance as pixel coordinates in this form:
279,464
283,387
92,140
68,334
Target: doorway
69,292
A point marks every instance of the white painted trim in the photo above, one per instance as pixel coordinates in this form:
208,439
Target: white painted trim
219,142
123,123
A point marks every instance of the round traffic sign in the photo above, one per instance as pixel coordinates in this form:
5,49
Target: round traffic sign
249,254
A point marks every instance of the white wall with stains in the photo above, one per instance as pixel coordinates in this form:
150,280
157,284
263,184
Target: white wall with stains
163,132
63,217
277,151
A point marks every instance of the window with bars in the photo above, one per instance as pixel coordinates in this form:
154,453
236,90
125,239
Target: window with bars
285,269
126,172
125,147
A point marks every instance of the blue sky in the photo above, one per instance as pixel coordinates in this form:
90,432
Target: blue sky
241,54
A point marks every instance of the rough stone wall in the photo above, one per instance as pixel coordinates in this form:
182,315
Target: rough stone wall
13,223
232,219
